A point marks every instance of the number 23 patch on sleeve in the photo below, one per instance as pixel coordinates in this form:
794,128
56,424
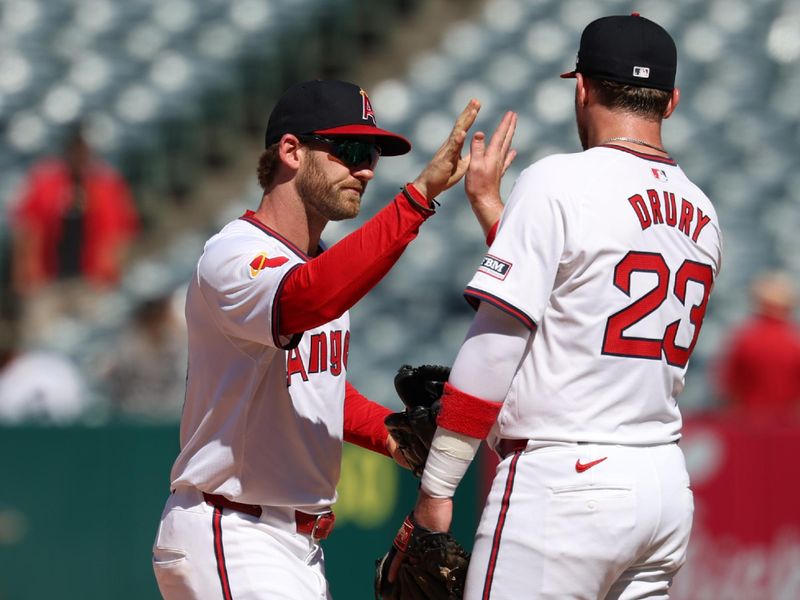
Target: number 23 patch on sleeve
496,267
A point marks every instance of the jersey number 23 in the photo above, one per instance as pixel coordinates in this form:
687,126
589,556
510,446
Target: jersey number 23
617,344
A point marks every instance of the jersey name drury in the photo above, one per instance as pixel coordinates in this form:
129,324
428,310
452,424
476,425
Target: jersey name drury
649,212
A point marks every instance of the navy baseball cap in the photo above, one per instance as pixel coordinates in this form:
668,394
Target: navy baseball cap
330,108
627,49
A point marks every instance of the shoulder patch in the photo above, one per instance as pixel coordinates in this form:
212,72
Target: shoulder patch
262,261
496,267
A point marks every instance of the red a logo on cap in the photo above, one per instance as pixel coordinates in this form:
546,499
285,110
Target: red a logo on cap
366,108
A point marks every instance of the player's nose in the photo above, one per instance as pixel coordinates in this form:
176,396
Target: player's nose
363,172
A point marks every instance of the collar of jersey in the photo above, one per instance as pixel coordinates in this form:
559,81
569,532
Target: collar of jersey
250,217
660,159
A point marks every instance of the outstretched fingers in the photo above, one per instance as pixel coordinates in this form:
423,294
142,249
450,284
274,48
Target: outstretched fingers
502,136
455,142
510,126
509,159
461,168
478,146
467,118
447,165
489,163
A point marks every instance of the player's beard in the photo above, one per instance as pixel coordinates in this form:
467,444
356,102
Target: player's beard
330,201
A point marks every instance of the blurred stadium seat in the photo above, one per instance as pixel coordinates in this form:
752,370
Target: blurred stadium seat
168,89
173,89
171,86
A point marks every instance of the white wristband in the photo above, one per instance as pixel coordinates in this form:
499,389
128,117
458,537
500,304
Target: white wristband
450,455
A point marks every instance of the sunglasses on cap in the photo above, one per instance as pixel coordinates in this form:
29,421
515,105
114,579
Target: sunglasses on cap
352,152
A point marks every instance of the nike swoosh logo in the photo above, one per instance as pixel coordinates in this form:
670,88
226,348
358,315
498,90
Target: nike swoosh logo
581,467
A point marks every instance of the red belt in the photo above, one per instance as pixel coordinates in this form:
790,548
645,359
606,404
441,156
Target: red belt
505,447
317,526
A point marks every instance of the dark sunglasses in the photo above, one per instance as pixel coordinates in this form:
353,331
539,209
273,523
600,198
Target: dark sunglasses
352,152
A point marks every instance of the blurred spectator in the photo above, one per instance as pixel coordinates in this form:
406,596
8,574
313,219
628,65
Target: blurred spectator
144,377
36,386
759,372
72,225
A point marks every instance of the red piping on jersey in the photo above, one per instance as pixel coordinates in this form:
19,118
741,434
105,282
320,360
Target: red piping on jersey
474,297
467,414
219,554
276,318
326,286
498,530
251,218
652,157
363,421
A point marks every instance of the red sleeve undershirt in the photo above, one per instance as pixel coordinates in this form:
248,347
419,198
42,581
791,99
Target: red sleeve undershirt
326,286
363,421
492,233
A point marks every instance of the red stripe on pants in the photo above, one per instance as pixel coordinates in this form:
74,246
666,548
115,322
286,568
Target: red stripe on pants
498,531
219,553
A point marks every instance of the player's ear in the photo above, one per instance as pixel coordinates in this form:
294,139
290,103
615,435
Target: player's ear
674,99
581,90
290,151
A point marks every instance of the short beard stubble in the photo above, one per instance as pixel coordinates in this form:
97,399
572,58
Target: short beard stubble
322,197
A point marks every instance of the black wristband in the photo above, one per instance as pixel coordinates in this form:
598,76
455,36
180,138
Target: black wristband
426,210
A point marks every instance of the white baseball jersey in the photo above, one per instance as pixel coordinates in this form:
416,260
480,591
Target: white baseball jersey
611,255
260,408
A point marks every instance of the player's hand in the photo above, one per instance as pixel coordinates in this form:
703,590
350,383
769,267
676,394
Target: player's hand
431,513
395,453
447,166
486,168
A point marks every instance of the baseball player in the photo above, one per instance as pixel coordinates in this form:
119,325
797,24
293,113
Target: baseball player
589,304
267,405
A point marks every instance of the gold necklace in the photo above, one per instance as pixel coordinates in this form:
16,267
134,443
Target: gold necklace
634,141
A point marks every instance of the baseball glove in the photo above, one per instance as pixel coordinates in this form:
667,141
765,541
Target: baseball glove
420,389
435,567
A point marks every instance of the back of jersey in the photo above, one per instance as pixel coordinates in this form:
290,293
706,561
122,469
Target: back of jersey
610,255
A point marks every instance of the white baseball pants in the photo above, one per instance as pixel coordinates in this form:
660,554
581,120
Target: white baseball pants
583,521
206,553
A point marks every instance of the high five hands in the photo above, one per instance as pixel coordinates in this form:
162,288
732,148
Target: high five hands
487,165
484,166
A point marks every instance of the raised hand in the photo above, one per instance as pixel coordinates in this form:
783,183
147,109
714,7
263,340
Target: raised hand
486,168
447,166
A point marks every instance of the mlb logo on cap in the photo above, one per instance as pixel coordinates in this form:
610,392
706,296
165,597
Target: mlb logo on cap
627,49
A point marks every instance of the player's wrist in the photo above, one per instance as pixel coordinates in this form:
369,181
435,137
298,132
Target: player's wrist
487,210
434,514
449,458
417,195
